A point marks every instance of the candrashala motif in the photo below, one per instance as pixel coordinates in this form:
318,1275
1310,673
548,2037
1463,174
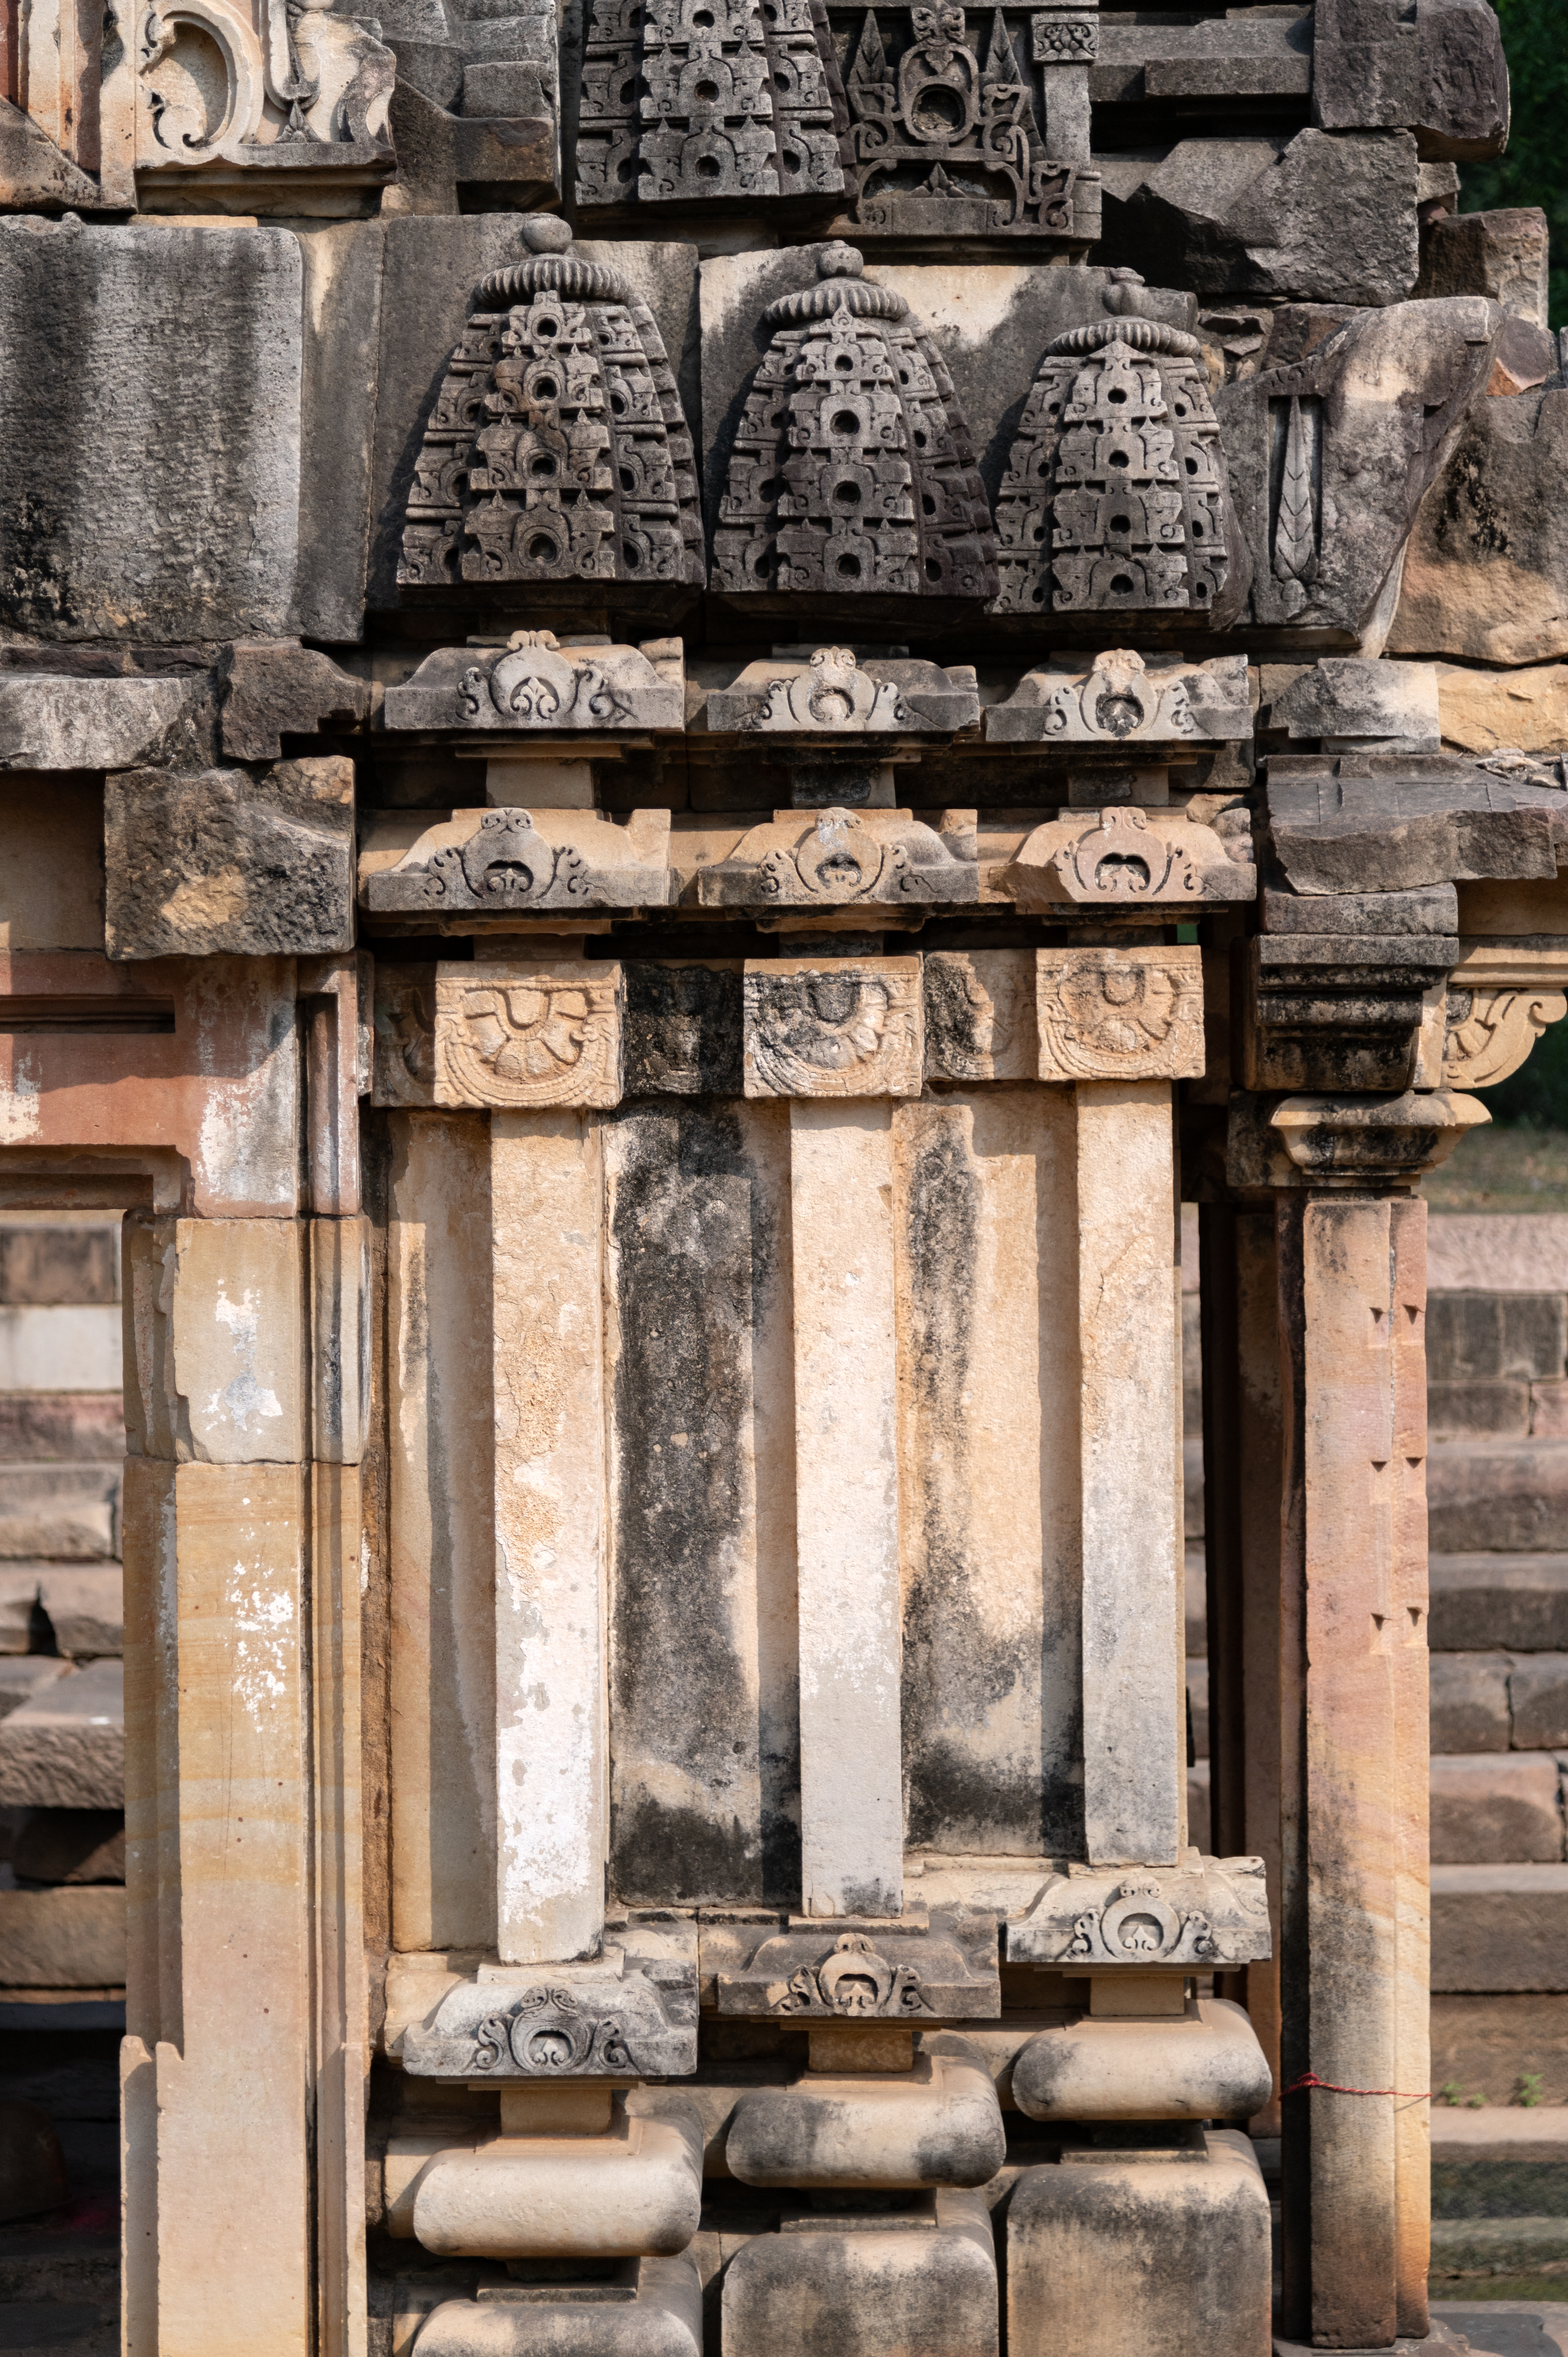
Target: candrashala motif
861,1971
1115,497
496,862
1125,698
529,1039
693,99
632,2014
843,1030
534,682
219,81
852,468
1122,856
834,693
838,858
1120,1015
946,141
1210,1912
557,448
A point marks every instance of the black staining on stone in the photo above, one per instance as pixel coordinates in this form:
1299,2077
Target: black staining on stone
694,1267
682,1035
967,1788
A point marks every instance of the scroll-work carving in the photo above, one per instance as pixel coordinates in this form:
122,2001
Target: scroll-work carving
948,143
1126,699
1212,1912
686,101
1120,1015
1115,496
834,694
1125,856
630,2015
533,682
510,861
1502,996
853,467
944,1967
557,450
840,858
844,1029
535,1039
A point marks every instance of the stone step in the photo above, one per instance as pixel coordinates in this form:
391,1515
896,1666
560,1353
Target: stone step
65,1350
1498,2247
68,1845
65,1749
1498,2132
21,1675
85,1604
67,1512
1508,1602
68,1938
1503,2049
1499,1928
42,1262
1499,1702
45,1428
1488,1805
1509,1494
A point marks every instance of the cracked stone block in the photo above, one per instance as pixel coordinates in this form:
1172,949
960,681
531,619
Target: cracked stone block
65,1748
225,863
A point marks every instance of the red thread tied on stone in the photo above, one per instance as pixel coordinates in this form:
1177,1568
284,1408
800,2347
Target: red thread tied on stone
1309,2079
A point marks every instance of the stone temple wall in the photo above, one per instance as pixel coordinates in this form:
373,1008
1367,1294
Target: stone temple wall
724,728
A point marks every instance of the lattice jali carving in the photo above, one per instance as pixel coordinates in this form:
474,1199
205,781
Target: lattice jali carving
853,467
1115,496
686,101
945,141
557,448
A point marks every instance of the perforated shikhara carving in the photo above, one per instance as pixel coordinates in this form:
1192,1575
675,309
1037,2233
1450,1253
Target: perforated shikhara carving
851,467
1115,494
690,100
557,448
944,141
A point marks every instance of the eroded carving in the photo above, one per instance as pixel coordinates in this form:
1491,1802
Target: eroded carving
834,694
1125,698
946,1966
1214,1911
844,1029
1125,856
851,467
631,2015
513,860
1115,496
534,682
1114,1015
548,1036
288,83
557,448
839,857
687,100
979,1015
947,142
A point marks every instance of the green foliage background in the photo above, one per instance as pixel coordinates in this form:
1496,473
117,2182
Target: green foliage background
1534,171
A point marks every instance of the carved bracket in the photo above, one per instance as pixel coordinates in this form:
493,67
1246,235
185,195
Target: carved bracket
839,858
838,1029
632,2014
913,1971
1123,855
506,861
1211,1912
1123,699
1502,996
1344,1141
1120,1015
533,682
543,1036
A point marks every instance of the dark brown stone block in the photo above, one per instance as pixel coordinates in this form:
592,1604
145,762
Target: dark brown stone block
225,863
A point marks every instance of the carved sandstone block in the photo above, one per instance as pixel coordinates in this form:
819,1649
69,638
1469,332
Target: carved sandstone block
277,686
939,2123
838,858
534,682
1501,997
498,862
634,2190
50,723
1123,854
528,1036
1120,1015
835,692
654,2304
917,1969
223,862
1123,699
630,2014
842,2282
848,1028
979,1015
1206,1912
